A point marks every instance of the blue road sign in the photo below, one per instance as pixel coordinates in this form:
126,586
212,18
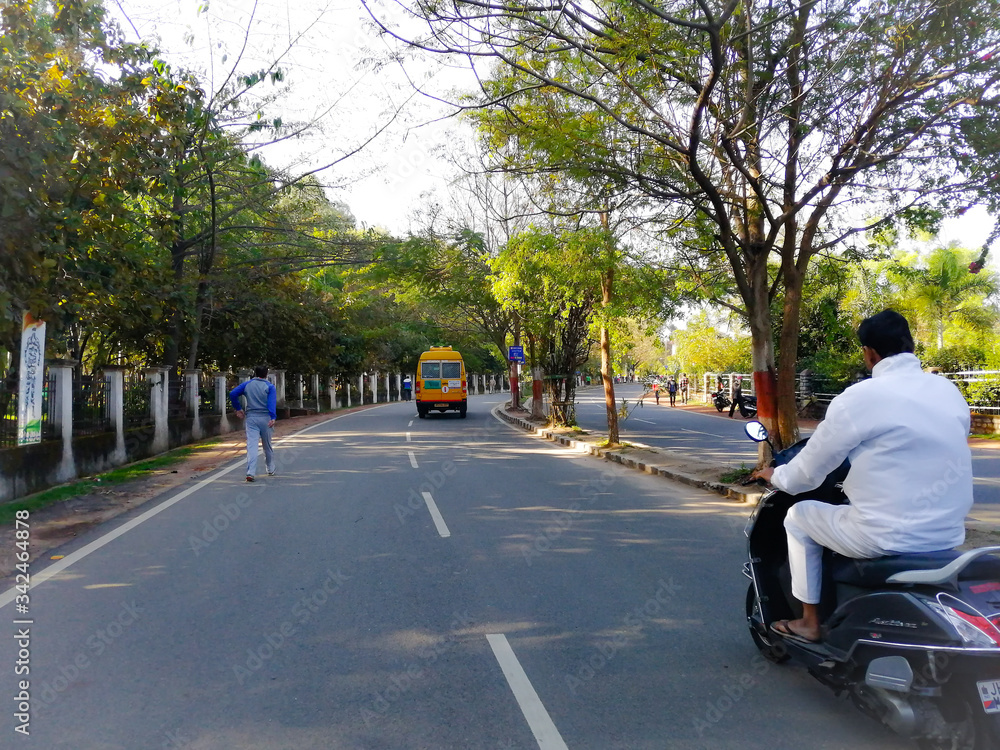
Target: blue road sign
516,354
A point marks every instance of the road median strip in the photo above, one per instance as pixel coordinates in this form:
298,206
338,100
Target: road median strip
645,458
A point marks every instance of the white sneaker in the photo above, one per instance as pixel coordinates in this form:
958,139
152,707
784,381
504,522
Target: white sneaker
271,473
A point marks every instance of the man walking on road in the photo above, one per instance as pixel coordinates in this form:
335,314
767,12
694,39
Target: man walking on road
684,388
261,412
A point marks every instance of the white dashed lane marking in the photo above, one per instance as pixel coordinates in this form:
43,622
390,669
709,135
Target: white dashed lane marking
436,516
539,721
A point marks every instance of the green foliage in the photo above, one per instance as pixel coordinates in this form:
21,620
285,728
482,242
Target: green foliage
955,358
700,348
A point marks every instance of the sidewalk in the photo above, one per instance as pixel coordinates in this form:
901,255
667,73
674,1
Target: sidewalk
982,526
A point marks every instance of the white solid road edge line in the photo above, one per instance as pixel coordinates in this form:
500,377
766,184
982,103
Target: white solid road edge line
413,460
57,567
539,721
436,516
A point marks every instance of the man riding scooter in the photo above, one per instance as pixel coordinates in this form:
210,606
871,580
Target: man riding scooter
910,483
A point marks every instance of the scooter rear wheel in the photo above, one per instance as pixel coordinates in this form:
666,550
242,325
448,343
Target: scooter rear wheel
977,731
773,652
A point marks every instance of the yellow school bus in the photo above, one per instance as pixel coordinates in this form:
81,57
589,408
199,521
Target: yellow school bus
441,383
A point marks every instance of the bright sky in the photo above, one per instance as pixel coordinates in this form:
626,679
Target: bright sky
336,74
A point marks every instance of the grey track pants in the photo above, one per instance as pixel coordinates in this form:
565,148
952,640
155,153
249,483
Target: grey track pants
257,429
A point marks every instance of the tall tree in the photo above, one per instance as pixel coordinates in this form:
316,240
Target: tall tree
767,129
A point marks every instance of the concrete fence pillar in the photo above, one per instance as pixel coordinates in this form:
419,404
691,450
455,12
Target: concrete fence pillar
315,390
373,379
331,384
61,371
279,386
193,392
361,389
805,387
115,378
159,396
221,399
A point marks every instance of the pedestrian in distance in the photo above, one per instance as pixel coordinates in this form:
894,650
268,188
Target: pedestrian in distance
656,392
407,388
684,388
260,414
672,390
737,398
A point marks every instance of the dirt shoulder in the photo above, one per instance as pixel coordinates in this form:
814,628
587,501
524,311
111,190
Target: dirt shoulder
57,524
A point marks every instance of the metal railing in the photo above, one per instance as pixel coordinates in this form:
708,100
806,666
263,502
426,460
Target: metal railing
91,409
138,411
8,413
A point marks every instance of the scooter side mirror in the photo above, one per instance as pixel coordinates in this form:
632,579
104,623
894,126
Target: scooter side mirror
756,431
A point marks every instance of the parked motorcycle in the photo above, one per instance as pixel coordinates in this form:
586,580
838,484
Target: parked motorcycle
913,639
722,402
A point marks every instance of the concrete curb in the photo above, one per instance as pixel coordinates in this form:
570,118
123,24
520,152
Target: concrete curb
735,493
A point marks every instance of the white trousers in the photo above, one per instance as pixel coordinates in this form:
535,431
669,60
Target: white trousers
811,526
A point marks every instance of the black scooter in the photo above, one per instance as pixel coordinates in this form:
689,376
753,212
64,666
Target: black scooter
722,402
914,640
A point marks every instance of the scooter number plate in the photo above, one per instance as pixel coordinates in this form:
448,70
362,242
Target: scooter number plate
989,691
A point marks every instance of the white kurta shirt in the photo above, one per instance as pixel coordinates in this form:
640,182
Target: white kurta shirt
906,434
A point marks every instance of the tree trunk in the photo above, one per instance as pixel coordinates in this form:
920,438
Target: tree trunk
515,384
607,286
609,384
199,312
788,417
764,374
537,412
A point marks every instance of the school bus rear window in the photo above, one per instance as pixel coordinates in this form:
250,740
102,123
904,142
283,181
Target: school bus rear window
451,370
430,369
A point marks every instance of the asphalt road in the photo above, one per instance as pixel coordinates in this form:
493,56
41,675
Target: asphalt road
716,437
711,437
550,600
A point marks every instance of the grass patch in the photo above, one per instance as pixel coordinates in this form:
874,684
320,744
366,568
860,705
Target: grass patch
990,436
138,470
736,475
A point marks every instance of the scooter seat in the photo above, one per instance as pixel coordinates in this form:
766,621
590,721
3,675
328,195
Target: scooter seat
875,572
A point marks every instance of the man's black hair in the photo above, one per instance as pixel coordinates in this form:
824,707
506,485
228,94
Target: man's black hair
260,371
887,333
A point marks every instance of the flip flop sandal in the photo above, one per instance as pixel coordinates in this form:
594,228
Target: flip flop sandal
781,627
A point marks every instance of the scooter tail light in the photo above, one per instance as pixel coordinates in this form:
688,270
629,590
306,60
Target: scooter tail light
983,624
975,630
